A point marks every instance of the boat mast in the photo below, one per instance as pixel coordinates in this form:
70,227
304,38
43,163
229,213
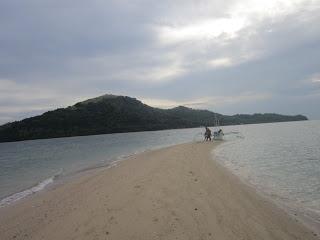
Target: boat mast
216,121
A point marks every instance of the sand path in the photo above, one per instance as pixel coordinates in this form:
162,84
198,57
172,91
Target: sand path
175,193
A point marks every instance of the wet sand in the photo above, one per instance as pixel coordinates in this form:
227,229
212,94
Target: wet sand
178,192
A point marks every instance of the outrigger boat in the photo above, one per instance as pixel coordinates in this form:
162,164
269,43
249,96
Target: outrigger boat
217,132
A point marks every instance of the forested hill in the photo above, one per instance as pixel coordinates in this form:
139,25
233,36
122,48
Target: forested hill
115,114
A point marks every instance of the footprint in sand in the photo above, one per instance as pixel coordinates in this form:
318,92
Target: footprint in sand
113,220
137,189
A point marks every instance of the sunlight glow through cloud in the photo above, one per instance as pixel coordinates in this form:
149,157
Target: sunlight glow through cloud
241,15
270,8
315,78
202,30
220,62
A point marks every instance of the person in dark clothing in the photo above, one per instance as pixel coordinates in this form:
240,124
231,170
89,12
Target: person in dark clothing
207,134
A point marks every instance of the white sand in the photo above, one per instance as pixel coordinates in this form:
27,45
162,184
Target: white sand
174,193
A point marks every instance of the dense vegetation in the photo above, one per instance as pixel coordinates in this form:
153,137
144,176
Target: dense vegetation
114,114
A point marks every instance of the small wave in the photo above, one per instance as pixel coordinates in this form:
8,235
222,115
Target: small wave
40,186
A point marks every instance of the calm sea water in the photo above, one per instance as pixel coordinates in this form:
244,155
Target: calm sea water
28,166
280,159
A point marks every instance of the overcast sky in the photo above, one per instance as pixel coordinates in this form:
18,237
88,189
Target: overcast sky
230,56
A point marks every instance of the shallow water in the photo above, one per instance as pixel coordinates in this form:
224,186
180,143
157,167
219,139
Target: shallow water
28,166
282,160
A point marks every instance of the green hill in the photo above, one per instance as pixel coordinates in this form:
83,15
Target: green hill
115,114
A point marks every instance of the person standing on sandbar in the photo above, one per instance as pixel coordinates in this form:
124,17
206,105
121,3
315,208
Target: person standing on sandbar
207,134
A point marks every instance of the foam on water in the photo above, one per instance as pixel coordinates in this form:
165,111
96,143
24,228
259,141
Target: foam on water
19,195
24,165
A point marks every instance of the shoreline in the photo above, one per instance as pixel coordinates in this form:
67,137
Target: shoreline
59,178
173,192
308,218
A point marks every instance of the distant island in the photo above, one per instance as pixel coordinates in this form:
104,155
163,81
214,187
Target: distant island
117,114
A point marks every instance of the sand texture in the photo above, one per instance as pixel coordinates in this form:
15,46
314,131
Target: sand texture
178,192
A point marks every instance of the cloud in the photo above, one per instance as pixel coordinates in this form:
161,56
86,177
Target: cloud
56,53
203,30
315,78
167,103
154,74
220,62
248,31
19,100
208,102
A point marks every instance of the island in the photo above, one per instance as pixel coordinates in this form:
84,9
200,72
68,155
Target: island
117,114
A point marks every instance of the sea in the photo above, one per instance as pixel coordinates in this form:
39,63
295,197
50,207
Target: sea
280,160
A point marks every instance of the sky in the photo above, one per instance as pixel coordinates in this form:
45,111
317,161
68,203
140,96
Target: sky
231,56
